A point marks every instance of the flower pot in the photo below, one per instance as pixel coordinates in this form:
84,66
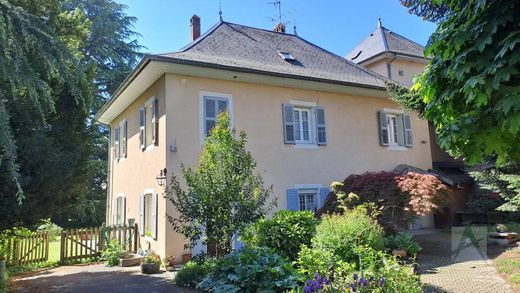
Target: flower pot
150,268
186,257
170,268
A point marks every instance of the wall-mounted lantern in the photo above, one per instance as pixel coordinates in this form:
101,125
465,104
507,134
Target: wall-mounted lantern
161,179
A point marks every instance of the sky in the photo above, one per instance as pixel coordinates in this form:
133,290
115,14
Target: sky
335,25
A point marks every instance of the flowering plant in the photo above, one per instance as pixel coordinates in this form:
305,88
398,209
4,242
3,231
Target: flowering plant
366,284
316,284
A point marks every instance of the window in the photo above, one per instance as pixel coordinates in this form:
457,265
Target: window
395,129
148,214
212,104
120,140
149,123
120,210
307,200
304,125
286,56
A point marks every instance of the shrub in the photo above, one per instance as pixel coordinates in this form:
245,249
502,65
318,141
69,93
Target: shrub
286,232
341,235
152,258
251,270
399,196
52,229
312,261
403,241
112,253
192,273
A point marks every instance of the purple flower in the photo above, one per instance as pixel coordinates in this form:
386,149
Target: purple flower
309,282
307,289
363,282
355,277
353,286
325,281
382,281
316,276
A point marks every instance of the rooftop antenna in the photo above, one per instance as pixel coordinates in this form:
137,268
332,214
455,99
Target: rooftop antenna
294,27
220,11
279,4
379,22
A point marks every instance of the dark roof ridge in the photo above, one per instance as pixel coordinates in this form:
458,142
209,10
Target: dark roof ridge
383,36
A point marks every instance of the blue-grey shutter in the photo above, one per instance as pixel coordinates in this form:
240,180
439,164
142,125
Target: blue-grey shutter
293,200
324,192
141,214
155,121
142,137
383,128
321,130
288,123
153,225
408,142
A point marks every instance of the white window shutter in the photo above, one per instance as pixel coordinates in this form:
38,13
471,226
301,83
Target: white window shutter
117,137
114,211
408,142
141,214
321,129
288,123
142,119
154,215
400,130
124,211
155,121
383,129
124,139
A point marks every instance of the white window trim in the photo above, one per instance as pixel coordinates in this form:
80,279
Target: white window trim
309,188
396,148
391,128
310,123
148,191
313,144
148,103
116,207
393,111
202,94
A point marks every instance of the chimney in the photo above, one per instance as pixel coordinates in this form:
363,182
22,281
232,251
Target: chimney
195,27
279,28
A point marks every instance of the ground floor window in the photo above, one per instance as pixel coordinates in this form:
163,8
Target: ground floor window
119,210
308,200
148,214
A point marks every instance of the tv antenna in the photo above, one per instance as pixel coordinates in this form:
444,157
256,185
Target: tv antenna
279,5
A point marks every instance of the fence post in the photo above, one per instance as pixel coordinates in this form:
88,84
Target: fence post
62,246
102,237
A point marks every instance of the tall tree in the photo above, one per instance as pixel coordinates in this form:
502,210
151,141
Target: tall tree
471,88
113,46
46,95
223,195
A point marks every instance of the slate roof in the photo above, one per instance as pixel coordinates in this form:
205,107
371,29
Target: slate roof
381,41
243,48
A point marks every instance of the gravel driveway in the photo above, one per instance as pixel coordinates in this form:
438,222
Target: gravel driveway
96,278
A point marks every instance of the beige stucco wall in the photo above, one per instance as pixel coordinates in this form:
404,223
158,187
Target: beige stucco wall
352,132
409,68
138,171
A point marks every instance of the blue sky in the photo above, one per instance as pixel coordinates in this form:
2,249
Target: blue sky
336,25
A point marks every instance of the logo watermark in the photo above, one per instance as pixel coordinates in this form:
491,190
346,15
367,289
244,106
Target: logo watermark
468,243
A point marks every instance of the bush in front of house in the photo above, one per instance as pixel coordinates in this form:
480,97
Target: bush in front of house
399,197
342,234
251,270
285,233
112,253
403,241
192,273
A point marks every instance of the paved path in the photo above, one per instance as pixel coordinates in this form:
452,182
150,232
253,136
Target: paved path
472,274
96,278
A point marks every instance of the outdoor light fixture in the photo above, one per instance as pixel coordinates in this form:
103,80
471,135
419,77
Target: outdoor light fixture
161,179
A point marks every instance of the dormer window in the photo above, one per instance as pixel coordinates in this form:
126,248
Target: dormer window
286,56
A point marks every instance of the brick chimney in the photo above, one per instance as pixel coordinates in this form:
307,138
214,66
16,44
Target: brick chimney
195,27
279,28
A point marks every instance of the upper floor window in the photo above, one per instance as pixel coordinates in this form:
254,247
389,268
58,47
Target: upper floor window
212,104
304,125
149,123
120,140
395,129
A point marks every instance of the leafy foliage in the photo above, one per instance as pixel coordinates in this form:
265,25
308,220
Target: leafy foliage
251,270
285,233
112,253
341,235
471,87
224,194
192,273
431,10
403,241
152,258
396,197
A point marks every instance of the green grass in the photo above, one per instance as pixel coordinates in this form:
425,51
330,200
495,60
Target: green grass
508,264
54,251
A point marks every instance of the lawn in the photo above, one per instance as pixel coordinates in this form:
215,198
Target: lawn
54,251
508,265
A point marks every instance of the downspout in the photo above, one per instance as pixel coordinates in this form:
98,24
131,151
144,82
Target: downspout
109,175
389,66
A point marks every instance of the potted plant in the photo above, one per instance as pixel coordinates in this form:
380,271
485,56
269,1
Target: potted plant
168,262
186,257
151,264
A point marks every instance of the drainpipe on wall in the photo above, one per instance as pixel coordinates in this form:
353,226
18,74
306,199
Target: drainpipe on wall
109,176
389,66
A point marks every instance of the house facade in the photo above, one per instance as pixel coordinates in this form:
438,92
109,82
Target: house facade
311,118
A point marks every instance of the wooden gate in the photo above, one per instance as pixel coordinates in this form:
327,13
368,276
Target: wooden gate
87,243
22,250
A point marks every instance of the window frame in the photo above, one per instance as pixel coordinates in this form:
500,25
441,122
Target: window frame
202,110
118,205
304,193
148,212
149,104
299,123
393,139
